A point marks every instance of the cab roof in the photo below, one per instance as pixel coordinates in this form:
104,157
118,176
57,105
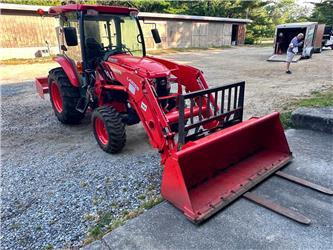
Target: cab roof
57,10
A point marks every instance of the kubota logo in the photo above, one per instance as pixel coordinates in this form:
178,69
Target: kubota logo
132,87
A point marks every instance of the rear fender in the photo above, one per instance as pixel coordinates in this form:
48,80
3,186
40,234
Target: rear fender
68,66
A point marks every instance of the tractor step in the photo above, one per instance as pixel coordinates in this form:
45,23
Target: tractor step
304,183
277,208
82,105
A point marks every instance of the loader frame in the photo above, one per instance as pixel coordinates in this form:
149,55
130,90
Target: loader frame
223,104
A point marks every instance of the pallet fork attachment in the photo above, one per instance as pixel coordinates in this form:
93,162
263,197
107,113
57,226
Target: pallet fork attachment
291,214
206,174
218,163
287,212
304,183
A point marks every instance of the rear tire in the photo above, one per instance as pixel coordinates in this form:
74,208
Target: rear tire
64,97
109,130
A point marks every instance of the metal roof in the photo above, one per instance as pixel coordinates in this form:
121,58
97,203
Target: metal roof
56,10
142,15
23,7
150,15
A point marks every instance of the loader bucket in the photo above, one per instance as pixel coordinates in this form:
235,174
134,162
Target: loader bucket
207,174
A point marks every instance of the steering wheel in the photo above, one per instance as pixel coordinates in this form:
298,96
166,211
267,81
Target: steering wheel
126,49
113,50
110,47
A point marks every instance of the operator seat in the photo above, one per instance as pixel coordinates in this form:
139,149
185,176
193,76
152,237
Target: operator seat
94,51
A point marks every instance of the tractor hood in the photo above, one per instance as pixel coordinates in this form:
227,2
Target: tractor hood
145,67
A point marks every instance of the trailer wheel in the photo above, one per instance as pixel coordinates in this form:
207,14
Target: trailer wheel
310,54
318,50
64,97
109,130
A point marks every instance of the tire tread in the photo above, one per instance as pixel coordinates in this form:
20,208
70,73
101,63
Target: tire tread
114,126
70,97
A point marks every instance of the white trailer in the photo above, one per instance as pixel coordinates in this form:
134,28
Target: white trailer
284,33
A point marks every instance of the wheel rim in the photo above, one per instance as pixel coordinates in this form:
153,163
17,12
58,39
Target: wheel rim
56,97
101,132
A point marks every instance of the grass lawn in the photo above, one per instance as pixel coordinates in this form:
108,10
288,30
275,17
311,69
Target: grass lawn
317,99
16,61
105,222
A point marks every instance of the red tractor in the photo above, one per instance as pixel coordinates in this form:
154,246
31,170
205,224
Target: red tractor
210,155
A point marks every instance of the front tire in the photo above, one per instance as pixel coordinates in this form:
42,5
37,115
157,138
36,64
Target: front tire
64,97
109,130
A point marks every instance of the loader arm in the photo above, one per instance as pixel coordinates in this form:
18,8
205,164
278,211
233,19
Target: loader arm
142,98
188,76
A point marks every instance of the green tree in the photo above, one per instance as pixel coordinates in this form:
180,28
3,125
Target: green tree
323,12
265,14
46,2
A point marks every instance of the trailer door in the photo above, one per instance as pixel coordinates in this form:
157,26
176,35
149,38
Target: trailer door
319,37
309,36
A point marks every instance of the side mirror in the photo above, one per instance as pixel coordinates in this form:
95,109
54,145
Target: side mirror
70,36
156,35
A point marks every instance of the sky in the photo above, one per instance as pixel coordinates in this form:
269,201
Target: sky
307,2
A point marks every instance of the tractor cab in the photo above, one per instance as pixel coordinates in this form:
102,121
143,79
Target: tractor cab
88,34
101,36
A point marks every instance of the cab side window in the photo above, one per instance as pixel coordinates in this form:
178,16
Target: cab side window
74,52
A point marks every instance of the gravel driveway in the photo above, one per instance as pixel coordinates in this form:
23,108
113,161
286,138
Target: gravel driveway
54,177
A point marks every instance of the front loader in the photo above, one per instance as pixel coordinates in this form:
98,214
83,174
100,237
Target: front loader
210,155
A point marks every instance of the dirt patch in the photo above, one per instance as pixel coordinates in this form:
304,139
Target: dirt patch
24,72
268,87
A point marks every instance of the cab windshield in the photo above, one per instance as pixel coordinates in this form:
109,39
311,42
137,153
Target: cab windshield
107,34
